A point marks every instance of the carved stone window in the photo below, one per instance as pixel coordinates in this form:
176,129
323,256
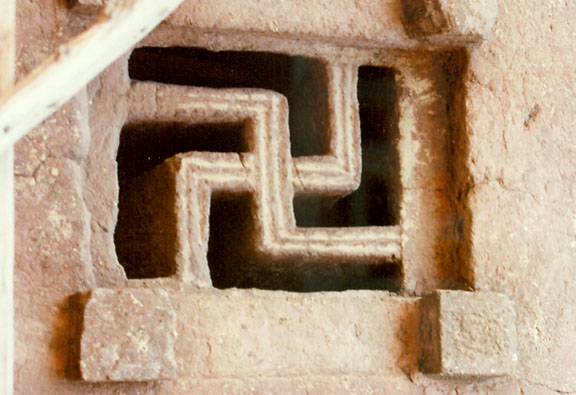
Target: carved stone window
323,169
233,159
289,183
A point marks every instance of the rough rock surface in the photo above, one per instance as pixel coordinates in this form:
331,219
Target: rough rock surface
467,334
511,199
128,335
522,161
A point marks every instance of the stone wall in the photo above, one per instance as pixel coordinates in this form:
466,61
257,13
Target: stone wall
488,204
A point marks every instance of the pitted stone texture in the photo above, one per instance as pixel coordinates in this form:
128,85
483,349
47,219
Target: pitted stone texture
65,134
128,335
53,230
468,334
101,186
453,20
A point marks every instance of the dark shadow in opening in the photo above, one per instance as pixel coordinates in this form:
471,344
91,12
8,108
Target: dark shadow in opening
230,252
459,268
302,80
66,337
232,259
145,234
376,201
144,146
234,263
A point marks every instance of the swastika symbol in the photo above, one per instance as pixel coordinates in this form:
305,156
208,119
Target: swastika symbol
267,172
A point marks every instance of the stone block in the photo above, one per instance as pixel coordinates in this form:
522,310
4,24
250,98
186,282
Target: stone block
467,20
128,335
88,6
467,334
257,333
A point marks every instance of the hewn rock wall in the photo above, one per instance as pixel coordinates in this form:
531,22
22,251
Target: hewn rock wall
509,181
522,161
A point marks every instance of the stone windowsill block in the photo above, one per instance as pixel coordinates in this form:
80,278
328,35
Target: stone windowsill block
128,335
468,334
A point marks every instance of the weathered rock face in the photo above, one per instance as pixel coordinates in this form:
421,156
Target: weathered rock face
128,335
522,190
482,199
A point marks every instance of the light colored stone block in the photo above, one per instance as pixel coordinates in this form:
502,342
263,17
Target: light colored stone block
468,334
128,335
466,20
256,333
88,6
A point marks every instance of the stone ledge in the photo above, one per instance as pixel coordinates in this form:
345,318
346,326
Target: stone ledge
128,335
468,334
386,23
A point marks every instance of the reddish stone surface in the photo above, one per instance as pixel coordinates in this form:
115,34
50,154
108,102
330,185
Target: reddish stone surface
489,204
128,335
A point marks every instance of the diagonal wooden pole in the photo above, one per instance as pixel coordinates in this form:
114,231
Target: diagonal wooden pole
7,62
121,25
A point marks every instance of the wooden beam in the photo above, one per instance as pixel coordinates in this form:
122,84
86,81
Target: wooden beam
7,64
121,24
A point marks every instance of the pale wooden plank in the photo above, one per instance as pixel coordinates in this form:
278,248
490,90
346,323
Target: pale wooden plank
120,26
7,34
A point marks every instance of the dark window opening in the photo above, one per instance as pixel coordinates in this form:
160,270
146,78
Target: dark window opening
301,80
234,263
145,234
376,201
